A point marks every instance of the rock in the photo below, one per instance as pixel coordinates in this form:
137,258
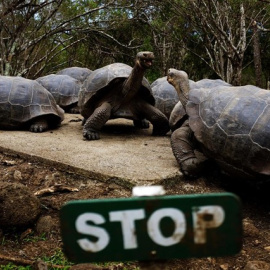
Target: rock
18,207
224,266
257,265
249,228
45,225
40,265
17,175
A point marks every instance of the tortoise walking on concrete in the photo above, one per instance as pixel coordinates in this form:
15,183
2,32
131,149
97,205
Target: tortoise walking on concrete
117,90
64,89
78,73
229,125
25,103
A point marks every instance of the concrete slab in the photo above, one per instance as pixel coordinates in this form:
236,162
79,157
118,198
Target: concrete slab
124,154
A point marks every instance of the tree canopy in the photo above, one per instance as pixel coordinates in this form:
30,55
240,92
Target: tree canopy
215,39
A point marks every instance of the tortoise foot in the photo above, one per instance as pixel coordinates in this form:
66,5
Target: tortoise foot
161,131
143,124
192,167
39,127
74,110
91,135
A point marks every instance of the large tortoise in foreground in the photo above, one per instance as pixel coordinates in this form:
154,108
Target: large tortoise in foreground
229,124
25,103
117,90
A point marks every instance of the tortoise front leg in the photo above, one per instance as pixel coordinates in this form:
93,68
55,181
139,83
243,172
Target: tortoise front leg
96,121
183,149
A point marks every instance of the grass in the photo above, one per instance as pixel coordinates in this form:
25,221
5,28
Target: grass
32,238
12,266
58,258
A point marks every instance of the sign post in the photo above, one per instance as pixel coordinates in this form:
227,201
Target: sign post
151,228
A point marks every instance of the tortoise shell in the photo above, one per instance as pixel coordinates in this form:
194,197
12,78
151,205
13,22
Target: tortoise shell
22,100
78,73
99,83
165,95
64,89
207,83
232,125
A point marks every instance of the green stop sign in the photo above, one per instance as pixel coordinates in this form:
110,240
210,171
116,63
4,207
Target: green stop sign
151,228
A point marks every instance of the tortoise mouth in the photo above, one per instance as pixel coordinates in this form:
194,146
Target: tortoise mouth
145,59
147,62
169,79
173,75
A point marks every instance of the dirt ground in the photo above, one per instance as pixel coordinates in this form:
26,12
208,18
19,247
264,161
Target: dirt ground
24,246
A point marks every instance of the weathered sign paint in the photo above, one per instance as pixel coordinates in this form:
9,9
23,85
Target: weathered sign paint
150,228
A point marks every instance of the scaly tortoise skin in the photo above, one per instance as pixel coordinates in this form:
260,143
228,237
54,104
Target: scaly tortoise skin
120,91
78,73
230,125
25,103
64,89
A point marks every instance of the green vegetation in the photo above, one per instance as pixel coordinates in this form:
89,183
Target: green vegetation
11,266
213,39
58,258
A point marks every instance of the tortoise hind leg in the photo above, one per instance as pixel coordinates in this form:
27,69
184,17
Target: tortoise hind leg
155,116
143,123
96,121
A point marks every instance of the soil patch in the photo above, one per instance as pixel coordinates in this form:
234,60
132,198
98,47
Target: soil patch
28,245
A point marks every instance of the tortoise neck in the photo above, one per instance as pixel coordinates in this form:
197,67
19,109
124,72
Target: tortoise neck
182,88
134,81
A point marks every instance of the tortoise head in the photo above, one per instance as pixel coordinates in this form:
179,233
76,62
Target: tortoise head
175,76
179,80
145,59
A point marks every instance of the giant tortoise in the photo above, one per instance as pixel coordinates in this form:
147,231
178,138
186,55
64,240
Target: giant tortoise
229,124
78,73
64,89
117,90
25,103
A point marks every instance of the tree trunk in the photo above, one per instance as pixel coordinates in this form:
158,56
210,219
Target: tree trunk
236,65
257,55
